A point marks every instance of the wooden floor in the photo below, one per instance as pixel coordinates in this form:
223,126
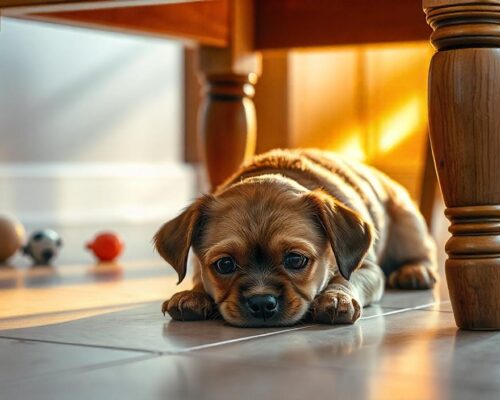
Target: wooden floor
82,332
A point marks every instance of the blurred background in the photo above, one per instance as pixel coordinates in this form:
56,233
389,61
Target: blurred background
98,130
91,133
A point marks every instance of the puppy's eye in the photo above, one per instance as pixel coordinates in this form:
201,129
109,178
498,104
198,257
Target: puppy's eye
225,265
295,261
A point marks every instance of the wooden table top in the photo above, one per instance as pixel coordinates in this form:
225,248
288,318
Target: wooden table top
278,24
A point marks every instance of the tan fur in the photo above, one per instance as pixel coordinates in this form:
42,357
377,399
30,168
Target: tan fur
354,225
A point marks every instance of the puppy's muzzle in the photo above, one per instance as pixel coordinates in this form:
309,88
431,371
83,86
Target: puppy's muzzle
262,307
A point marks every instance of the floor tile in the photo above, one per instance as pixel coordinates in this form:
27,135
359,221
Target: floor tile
22,301
139,327
413,343
144,328
24,359
51,318
444,306
414,298
188,377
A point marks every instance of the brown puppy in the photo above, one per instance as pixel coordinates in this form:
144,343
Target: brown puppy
293,234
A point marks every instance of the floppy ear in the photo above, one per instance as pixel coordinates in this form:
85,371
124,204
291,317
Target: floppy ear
174,238
349,235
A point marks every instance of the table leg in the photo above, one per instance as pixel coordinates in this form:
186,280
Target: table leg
464,119
227,123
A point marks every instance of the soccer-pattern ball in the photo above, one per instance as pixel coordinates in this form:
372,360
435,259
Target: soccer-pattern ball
43,246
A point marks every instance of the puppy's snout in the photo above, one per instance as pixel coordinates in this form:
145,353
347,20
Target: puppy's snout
262,306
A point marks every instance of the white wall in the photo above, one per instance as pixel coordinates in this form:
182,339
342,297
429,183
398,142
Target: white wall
90,126
81,95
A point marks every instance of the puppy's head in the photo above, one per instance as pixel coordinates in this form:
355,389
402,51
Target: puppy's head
266,246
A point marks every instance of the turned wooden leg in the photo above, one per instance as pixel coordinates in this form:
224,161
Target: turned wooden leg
227,123
464,119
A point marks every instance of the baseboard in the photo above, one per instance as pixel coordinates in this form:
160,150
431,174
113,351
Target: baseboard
93,193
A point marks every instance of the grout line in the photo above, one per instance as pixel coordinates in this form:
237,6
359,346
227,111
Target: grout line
241,339
113,308
215,344
114,363
400,310
246,338
97,346
440,311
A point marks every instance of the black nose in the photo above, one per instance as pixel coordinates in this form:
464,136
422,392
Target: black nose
262,306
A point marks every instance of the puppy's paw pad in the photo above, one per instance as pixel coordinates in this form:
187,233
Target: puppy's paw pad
189,306
335,307
412,276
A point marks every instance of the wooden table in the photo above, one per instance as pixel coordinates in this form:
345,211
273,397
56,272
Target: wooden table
464,94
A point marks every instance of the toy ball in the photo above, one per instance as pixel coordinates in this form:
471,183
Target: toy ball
106,246
11,237
43,246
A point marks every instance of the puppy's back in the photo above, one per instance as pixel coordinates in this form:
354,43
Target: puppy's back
356,185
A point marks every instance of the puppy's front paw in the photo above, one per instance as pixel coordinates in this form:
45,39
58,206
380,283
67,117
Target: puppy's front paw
190,305
412,276
335,307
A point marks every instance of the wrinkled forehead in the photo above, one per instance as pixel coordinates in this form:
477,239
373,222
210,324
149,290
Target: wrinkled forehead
263,219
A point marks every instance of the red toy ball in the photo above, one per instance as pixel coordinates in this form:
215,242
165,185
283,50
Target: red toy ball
106,246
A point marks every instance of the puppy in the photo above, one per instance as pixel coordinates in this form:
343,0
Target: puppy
295,234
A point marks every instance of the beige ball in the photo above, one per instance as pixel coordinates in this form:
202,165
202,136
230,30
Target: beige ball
11,237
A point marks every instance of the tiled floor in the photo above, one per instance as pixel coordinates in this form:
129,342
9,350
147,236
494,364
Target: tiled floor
81,332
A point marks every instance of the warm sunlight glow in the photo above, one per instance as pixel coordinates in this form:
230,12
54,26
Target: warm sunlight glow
399,125
353,145
409,353
366,102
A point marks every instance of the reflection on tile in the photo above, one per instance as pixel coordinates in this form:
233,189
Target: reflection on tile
444,306
51,318
47,276
139,327
414,298
25,359
419,344
107,271
188,377
26,301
